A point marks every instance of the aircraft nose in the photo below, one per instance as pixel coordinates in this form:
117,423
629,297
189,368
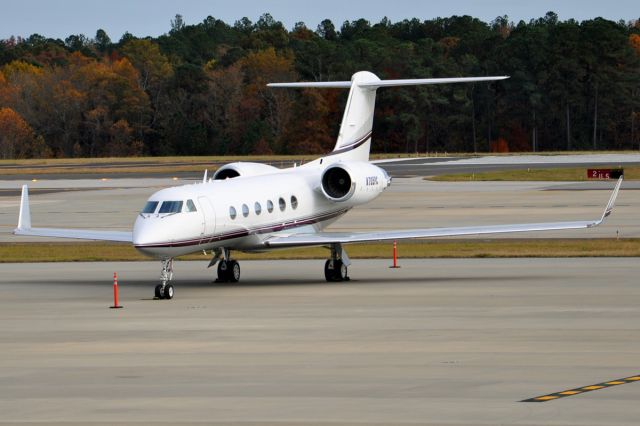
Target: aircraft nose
142,231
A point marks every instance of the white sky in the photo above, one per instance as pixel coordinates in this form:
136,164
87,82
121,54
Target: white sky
60,18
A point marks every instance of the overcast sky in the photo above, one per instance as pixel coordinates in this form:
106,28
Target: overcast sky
60,18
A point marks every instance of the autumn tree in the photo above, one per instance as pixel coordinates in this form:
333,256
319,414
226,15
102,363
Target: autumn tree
17,138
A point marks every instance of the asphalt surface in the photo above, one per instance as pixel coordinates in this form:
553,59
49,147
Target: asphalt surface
456,342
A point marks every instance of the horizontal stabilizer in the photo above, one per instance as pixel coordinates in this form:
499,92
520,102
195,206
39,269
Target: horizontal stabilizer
386,83
317,84
428,81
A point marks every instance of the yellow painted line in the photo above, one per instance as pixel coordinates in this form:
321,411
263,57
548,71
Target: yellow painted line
592,387
576,391
547,398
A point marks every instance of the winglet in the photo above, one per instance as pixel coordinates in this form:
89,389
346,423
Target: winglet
611,203
24,220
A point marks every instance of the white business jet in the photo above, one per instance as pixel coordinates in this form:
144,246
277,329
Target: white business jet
255,207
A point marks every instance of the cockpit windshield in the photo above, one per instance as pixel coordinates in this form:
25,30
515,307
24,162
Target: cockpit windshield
150,207
171,207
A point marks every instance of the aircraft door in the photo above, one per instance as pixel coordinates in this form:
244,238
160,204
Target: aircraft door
208,216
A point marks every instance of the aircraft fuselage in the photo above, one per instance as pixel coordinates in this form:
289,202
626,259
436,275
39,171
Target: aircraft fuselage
243,212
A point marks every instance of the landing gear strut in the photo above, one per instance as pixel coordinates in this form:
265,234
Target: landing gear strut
335,269
164,290
228,269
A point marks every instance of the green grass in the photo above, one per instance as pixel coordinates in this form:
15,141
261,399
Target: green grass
91,252
546,175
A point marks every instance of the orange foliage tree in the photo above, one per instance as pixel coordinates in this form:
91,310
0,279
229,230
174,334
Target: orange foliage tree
273,106
634,40
17,138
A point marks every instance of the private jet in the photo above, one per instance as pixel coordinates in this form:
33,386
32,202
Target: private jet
254,207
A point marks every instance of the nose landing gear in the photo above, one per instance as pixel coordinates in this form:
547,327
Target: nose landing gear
164,290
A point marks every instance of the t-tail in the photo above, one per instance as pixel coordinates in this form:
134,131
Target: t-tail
354,139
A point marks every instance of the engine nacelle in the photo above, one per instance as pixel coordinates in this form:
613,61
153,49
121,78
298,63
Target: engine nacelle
244,169
353,182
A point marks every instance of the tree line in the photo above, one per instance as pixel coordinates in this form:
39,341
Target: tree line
201,89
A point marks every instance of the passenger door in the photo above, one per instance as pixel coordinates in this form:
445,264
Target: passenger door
208,217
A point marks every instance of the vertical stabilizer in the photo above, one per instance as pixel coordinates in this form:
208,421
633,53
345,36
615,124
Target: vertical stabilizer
354,139
24,220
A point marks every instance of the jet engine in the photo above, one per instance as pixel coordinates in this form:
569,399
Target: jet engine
355,182
244,169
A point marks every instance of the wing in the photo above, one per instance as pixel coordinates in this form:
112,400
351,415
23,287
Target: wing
24,227
323,238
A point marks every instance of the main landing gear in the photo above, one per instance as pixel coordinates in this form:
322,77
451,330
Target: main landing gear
335,269
228,269
164,290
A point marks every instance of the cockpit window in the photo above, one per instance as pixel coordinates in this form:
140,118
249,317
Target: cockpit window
191,207
171,207
150,207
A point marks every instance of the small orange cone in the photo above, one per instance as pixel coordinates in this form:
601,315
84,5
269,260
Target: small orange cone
395,256
115,292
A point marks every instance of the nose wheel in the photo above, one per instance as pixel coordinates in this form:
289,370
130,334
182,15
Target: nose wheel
164,290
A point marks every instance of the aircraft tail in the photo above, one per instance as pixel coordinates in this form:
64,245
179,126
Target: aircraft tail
354,139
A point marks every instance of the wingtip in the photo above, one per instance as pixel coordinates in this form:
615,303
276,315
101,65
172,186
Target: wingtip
612,199
24,219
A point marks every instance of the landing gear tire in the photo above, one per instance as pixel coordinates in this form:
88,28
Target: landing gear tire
228,271
335,271
168,291
234,271
158,291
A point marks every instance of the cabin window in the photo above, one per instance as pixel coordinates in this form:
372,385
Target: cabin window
245,210
282,204
232,212
258,208
191,207
171,207
150,207
294,202
269,206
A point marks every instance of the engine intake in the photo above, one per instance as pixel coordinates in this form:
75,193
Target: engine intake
243,169
337,184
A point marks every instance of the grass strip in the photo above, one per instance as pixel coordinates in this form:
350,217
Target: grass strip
97,252
571,174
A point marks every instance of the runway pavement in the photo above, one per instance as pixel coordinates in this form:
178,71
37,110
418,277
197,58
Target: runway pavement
453,165
456,342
